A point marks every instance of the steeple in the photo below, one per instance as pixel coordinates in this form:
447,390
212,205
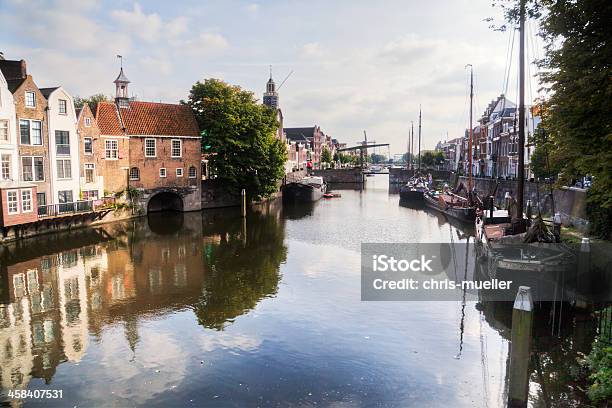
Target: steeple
122,97
271,96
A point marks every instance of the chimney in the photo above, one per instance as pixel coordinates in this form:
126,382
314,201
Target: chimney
1,56
24,69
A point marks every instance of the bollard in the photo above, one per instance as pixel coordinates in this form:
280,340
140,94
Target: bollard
583,275
557,224
243,202
520,348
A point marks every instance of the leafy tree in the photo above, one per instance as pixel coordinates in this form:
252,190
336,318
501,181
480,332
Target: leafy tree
428,158
439,158
326,156
240,135
377,158
92,101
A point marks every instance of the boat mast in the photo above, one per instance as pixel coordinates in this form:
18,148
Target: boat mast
521,124
470,124
411,145
419,138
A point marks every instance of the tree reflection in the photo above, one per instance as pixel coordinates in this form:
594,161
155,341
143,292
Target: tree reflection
240,268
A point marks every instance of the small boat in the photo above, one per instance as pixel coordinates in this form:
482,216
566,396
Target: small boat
308,189
414,190
450,204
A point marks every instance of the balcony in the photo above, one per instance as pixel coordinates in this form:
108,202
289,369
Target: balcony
76,207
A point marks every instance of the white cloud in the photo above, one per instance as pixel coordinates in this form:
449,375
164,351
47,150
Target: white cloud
252,8
312,50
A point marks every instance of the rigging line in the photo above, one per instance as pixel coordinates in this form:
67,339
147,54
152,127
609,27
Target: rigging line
507,60
508,67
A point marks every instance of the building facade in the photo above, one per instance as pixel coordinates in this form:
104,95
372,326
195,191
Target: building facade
92,166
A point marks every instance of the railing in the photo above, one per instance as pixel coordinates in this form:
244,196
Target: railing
53,210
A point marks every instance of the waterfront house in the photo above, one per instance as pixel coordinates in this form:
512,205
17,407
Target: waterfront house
63,145
92,163
8,134
164,148
31,128
313,136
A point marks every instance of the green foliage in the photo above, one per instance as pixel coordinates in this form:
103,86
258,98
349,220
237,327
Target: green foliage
239,134
439,158
578,114
326,156
377,158
600,363
92,101
428,158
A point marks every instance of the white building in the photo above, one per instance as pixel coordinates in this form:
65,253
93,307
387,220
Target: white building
63,145
8,134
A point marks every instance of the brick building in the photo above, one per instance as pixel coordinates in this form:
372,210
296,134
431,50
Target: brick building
92,166
164,149
32,128
315,139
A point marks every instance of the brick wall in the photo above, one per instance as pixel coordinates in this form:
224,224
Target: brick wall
7,219
37,113
113,171
149,166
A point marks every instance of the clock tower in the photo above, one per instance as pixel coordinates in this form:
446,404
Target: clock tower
271,96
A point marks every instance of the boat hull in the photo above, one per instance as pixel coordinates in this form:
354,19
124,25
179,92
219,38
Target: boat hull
302,193
408,194
463,214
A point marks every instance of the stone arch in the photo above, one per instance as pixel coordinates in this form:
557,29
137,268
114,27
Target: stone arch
165,201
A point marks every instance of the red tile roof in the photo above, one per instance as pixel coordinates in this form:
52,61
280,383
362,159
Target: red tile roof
159,119
147,118
108,119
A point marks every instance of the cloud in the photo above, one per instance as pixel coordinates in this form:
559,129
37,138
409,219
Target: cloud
252,8
312,50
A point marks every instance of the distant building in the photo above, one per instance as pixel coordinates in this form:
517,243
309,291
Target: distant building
92,161
313,136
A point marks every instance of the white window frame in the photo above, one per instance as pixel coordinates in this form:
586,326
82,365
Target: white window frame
64,167
2,168
62,103
87,122
85,145
31,159
31,132
149,147
29,200
9,202
132,178
27,105
179,172
180,148
162,172
195,172
4,125
108,152
92,167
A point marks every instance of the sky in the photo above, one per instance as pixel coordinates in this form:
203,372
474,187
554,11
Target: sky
357,65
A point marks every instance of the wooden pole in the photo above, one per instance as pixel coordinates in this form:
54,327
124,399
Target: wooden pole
243,202
521,114
520,348
419,138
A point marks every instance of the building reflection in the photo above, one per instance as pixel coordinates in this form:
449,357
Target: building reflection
58,293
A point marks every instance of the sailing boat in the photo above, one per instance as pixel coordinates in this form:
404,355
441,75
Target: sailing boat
414,190
502,234
447,201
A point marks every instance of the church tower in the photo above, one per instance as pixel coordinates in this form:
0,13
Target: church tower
271,96
122,97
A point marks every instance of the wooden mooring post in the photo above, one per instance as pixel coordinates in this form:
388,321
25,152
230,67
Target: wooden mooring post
243,203
520,348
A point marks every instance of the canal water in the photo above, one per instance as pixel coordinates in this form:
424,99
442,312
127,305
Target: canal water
203,309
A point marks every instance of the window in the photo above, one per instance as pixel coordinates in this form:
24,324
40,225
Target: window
87,122
162,172
62,106
12,200
90,176
32,169
63,169
26,200
41,199
4,133
134,173
150,150
89,195
30,99
176,148
88,145
62,142
6,167
179,172
111,148
192,172
30,132
64,196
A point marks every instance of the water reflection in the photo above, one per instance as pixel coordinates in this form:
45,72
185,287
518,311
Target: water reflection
122,273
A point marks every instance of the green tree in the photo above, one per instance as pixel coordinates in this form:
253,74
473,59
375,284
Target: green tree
377,158
92,101
439,158
428,158
326,156
240,135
